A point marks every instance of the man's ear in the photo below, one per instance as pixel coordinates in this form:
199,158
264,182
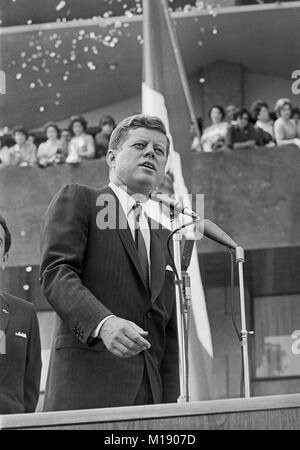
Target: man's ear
111,158
4,260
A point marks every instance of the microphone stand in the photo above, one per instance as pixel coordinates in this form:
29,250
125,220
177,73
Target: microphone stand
183,305
182,312
240,259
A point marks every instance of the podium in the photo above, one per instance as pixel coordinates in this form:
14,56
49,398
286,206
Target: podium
280,412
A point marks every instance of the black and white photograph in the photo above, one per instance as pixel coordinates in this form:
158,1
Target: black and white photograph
149,218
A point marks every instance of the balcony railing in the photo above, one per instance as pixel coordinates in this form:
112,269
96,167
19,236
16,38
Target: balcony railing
253,195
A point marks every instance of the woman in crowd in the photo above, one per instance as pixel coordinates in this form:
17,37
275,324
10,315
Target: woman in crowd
23,153
50,152
214,136
265,126
82,144
286,130
31,138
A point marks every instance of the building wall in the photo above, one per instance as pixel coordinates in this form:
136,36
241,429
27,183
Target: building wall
133,105
254,86
258,86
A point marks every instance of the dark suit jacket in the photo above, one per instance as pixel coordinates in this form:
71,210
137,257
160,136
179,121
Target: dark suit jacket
20,366
87,274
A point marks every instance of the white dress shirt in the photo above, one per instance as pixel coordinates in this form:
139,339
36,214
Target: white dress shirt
127,203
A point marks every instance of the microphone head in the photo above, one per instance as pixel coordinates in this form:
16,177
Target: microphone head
214,232
154,193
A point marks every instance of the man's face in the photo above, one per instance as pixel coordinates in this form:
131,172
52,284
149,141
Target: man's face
296,117
66,135
230,111
242,120
140,162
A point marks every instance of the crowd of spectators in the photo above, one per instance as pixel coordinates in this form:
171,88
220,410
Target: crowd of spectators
230,128
70,145
238,128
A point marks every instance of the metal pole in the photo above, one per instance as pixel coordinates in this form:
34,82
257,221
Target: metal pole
181,69
183,396
240,259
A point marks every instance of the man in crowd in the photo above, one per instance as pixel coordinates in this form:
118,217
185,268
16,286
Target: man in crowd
107,125
116,337
65,138
242,134
230,114
6,138
20,347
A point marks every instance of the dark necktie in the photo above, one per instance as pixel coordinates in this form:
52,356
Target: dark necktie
140,242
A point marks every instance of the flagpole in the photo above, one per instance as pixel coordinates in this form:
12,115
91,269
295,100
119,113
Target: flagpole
181,68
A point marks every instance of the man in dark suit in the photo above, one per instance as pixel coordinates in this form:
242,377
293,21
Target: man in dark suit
20,347
104,272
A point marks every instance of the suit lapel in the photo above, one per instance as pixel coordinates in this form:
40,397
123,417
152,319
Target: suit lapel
157,256
158,264
4,312
125,235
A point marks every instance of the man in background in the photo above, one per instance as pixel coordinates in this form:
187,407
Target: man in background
242,134
20,347
107,125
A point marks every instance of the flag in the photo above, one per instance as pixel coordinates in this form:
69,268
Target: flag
165,95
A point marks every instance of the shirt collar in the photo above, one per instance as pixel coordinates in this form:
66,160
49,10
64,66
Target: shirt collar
126,200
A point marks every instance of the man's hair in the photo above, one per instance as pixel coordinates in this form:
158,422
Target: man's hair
241,112
296,110
20,130
131,123
107,120
7,235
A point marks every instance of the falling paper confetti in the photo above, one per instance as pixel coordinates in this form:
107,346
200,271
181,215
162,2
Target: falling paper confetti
60,5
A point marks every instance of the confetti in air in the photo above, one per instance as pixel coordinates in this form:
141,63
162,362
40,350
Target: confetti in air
60,5
47,53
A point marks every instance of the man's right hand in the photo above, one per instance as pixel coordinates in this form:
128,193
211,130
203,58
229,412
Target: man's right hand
123,338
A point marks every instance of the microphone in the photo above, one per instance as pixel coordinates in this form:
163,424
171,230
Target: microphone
175,205
212,231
